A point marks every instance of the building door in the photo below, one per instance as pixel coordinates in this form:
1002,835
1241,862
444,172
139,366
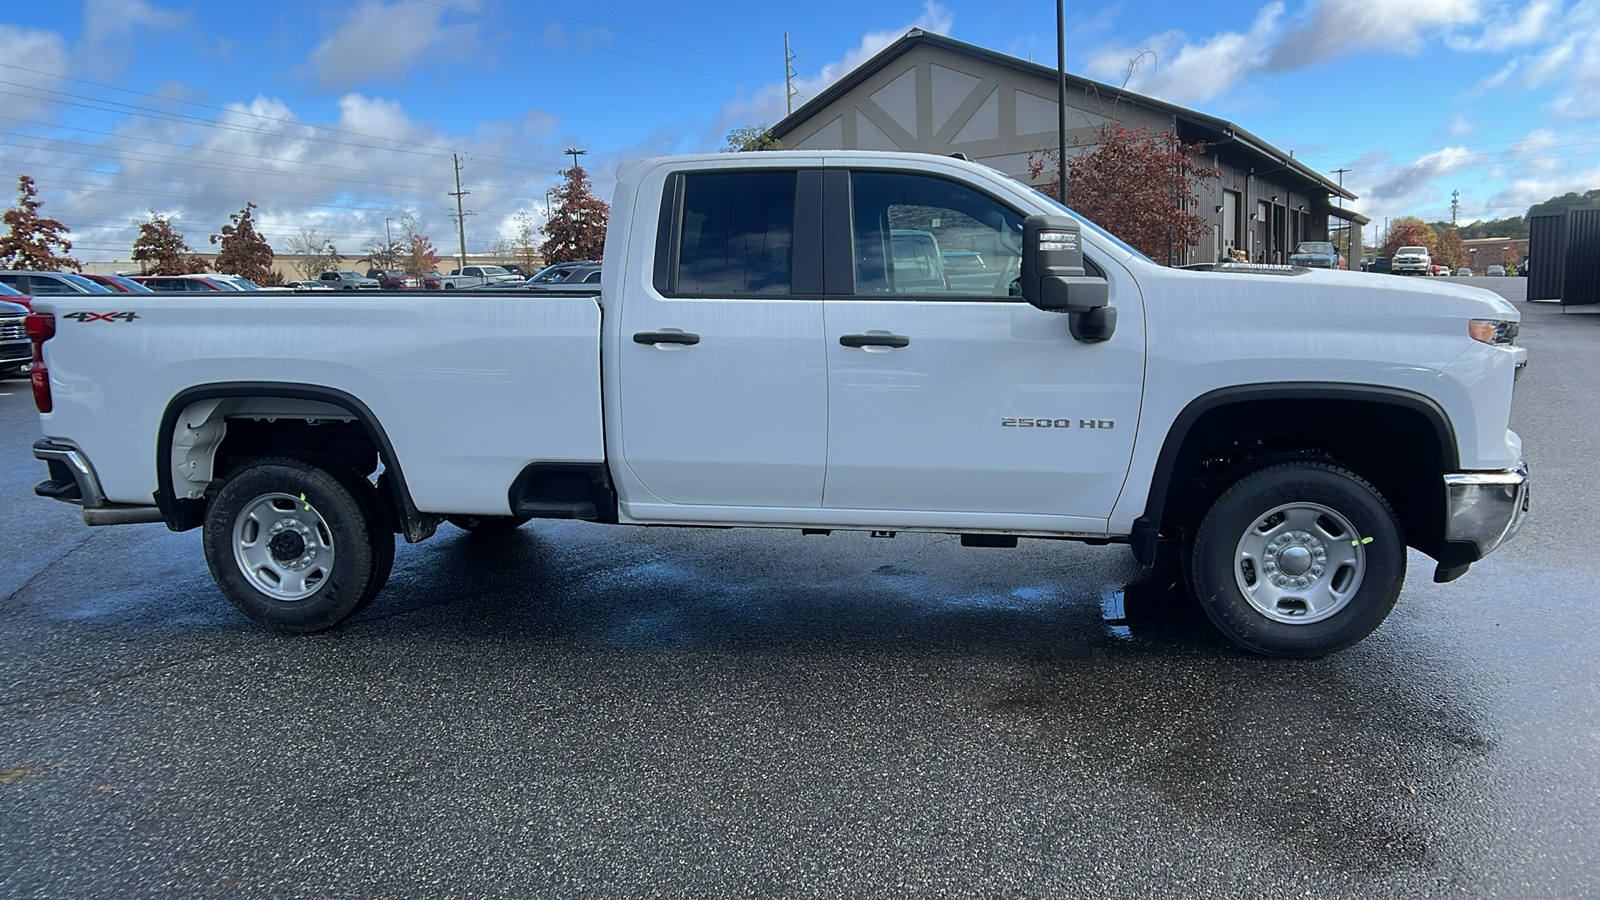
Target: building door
1230,223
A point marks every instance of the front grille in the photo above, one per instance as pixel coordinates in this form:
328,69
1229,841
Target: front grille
12,330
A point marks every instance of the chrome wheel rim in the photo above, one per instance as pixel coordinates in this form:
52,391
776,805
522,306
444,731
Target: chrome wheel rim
1300,563
283,546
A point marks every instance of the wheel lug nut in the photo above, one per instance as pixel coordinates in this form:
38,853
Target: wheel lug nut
1301,582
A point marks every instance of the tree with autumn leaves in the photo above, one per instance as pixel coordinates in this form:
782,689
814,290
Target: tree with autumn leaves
576,229
30,237
1139,186
244,252
160,249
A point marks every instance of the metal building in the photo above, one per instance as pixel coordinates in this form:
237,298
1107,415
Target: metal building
1564,257
929,93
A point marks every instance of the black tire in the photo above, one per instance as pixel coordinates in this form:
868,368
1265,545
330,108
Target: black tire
1353,553
488,526
326,509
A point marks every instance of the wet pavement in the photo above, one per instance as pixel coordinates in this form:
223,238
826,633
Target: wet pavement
577,710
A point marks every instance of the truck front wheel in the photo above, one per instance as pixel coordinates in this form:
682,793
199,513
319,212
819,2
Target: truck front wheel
295,545
1299,559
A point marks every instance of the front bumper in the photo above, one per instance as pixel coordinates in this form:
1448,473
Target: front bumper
1485,509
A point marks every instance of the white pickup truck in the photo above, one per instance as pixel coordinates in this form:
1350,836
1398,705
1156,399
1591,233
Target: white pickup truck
478,276
760,355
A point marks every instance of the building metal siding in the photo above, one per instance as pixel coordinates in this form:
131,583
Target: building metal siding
1547,256
1581,284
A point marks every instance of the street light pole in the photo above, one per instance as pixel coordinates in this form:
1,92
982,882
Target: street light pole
388,240
1061,96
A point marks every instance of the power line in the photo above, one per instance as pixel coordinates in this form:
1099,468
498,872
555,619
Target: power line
233,112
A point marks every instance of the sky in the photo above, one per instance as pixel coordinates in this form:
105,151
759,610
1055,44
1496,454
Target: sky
341,114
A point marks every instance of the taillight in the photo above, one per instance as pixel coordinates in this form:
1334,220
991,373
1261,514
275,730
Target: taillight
40,327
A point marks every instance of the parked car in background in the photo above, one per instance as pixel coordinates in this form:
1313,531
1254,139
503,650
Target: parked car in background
556,273
1463,272
515,269
185,283
1413,261
395,279
1382,264
345,280
475,276
1315,255
579,273
39,284
1495,270
118,283
16,351
242,283
308,286
12,295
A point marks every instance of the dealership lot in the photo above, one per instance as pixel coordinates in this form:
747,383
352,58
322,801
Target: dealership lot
577,710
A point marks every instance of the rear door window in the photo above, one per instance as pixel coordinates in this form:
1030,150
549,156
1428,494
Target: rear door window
736,234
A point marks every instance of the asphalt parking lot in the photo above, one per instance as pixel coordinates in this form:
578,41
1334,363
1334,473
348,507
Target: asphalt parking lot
578,710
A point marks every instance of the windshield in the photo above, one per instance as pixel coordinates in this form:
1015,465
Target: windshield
1319,247
1419,251
1096,228
88,284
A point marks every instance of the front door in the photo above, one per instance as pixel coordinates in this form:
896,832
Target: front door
723,380
948,393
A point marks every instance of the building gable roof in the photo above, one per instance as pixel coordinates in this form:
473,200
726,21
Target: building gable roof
1208,129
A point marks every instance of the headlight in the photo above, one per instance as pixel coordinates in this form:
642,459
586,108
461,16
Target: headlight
1493,331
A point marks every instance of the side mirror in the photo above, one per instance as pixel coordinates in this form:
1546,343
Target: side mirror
1054,280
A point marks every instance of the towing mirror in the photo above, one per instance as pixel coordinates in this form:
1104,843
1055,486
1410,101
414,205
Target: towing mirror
1054,279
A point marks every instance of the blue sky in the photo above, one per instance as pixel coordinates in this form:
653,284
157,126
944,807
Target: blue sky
339,114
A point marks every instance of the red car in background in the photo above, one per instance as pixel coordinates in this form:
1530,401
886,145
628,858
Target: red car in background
120,283
394,279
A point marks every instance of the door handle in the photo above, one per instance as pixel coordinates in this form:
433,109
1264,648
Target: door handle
666,337
874,340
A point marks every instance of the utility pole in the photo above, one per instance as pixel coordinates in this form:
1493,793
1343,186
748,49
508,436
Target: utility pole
1061,95
1455,206
788,76
388,242
575,154
461,215
1340,173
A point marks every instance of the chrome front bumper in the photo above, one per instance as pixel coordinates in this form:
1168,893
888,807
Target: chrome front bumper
1485,509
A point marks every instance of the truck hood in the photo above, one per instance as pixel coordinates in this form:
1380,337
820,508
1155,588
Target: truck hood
1336,290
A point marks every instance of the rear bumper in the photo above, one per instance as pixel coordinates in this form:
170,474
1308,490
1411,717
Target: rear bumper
72,480
1485,509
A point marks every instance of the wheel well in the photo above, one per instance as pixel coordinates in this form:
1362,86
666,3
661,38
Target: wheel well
1397,448
209,432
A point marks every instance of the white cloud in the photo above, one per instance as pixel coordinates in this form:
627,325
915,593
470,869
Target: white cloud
1387,190
1185,71
1336,27
345,176
41,51
767,105
381,41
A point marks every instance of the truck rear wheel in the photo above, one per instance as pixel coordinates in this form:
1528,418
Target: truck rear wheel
298,545
1299,559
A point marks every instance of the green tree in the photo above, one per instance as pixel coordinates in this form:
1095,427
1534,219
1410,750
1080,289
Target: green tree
751,137
576,229
244,252
30,236
1409,231
1450,251
1555,206
1136,185
160,248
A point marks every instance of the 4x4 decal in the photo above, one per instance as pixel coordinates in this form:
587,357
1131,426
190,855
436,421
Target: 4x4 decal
102,317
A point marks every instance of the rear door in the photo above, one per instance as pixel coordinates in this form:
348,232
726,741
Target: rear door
721,369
